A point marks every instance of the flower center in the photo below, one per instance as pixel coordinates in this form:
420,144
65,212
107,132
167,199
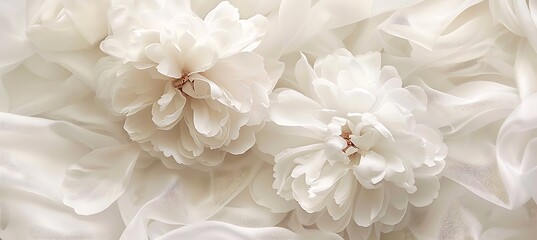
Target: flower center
178,83
347,137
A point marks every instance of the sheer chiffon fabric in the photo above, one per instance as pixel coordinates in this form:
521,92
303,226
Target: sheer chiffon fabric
103,136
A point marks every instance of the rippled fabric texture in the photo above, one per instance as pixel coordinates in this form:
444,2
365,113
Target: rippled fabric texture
276,119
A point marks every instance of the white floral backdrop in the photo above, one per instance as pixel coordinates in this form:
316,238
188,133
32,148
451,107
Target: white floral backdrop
275,119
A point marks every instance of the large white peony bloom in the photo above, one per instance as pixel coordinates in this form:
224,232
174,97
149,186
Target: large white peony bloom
191,88
349,146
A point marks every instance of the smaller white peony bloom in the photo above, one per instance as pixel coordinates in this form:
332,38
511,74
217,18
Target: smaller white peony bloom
349,147
191,88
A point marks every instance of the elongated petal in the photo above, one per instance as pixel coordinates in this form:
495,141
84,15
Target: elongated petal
96,180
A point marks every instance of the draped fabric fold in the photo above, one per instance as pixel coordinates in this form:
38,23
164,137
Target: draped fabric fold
34,157
273,119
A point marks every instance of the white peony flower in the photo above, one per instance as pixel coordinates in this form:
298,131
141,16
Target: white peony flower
349,146
190,88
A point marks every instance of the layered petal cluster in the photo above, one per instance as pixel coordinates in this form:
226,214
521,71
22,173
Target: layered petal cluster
191,89
351,147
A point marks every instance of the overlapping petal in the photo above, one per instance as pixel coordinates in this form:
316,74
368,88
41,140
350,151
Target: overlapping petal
363,163
207,91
